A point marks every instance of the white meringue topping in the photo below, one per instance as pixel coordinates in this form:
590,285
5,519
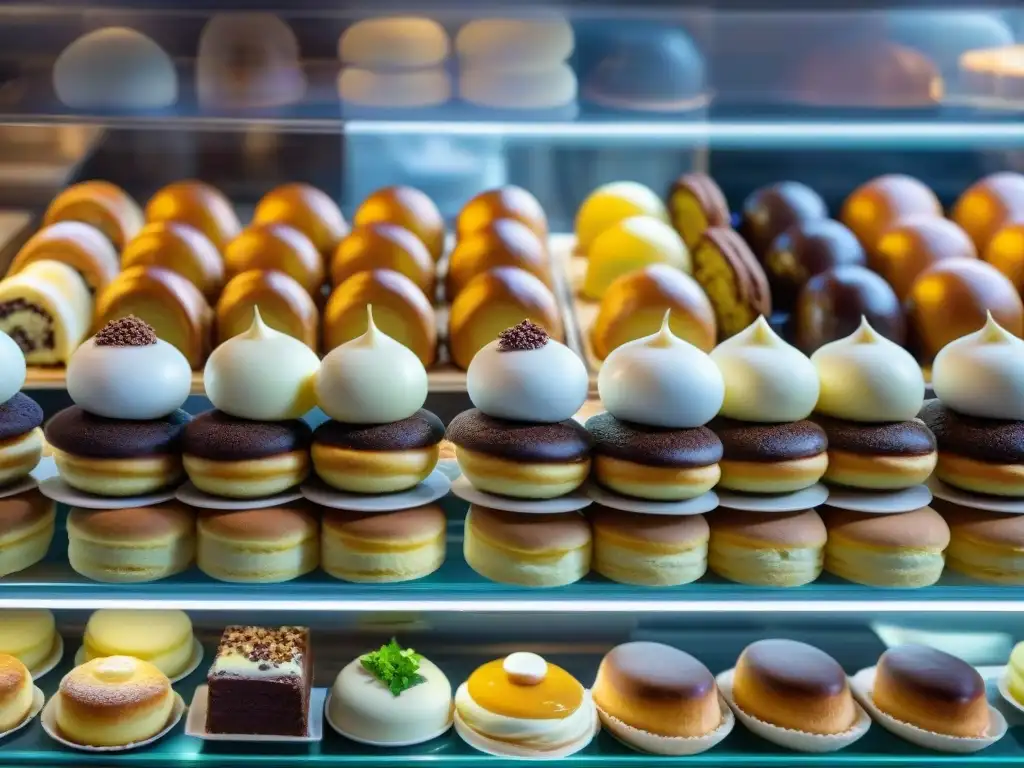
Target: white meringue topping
661,381
867,378
982,374
372,379
766,379
12,368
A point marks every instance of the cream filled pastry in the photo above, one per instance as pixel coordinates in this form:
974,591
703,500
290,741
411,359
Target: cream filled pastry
524,706
379,439
520,439
978,419
123,435
21,440
770,390
871,393
660,391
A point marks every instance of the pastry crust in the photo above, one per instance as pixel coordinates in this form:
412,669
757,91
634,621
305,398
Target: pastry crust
384,246
519,479
103,205
501,243
76,244
199,205
407,207
355,471
735,282
508,202
307,209
180,248
275,246
284,305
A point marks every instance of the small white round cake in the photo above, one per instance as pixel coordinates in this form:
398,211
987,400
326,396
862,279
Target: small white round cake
365,709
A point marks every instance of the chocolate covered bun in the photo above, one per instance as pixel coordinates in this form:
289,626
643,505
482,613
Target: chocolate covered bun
806,249
216,436
75,431
519,440
653,446
770,211
420,430
734,281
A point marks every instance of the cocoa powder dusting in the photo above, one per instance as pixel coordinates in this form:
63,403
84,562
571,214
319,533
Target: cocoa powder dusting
127,332
522,337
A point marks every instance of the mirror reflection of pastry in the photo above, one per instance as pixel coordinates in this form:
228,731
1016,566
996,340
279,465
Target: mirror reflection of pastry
393,43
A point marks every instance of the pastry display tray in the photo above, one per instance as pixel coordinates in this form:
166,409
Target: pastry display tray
456,587
878,748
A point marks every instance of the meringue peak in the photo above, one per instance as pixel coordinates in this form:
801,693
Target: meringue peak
865,333
993,333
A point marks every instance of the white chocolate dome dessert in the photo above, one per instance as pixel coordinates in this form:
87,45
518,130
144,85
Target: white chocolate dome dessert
982,374
126,372
372,379
391,697
12,368
524,375
867,378
766,379
661,381
262,375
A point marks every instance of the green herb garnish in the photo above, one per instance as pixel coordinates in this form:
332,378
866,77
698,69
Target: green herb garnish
394,666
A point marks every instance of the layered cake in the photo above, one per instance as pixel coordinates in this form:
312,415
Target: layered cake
260,682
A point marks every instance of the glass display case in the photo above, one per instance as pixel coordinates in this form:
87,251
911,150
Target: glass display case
588,166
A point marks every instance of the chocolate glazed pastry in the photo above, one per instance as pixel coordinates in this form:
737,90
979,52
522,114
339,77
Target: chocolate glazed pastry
695,204
770,458
770,211
805,250
733,279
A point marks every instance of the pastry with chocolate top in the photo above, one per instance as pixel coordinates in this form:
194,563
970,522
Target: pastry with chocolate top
771,210
984,545
870,393
520,440
734,281
695,204
266,545
660,391
123,435
21,439
260,682
379,438
805,250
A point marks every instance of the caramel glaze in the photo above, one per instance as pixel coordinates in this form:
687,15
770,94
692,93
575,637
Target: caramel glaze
789,668
657,672
931,674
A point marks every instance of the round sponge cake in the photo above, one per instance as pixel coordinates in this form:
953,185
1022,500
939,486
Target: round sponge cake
649,550
161,638
259,545
16,692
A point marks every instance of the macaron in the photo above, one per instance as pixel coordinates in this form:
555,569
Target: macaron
779,550
648,550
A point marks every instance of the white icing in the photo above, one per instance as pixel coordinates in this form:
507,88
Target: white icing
867,378
661,381
548,384
136,383
115,668
262,374
12,368
372,379
234,662
982,374
533,734
766,379
524,668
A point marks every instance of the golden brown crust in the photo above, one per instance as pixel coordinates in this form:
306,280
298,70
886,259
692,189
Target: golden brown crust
407,207
878,204
790,529
85,696
180,248
407,316
878,472
269,524
199,205
14,676
76,244
284,305
307,209
735,282
103,205
529,533
922,528
508,202
384,246
164,521
277,247
24,511
407,525
652,529
499,243
908,248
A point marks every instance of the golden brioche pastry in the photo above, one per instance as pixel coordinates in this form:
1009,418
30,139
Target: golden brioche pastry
284,305
407,207
16,692
384,246
989,205
113,701
952,298
167,301
878,204
501,243
280,247
400,310
629,245
493,301
508,202
180,248
103,205
908,248
199,205
80,246
634,306
307,209
1005,252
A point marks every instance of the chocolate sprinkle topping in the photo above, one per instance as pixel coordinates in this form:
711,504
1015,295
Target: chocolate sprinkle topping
264,644
522,337
127,332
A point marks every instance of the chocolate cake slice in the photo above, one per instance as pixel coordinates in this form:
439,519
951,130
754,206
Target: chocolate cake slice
260,682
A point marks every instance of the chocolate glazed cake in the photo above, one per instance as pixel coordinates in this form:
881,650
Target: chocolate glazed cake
260,682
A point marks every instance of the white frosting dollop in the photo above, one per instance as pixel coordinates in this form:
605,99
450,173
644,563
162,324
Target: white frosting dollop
372,379
546,384
12,368
131,382
982,374
865,377
525,668
766,379
661,381
262,375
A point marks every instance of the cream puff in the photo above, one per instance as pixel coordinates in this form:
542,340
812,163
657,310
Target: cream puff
770,390
524,706
777,550
161,638
379,438
660,391
978,419
123,435
21,439
520,440
258,546
253,444
871,391
27,523
648,550
16,692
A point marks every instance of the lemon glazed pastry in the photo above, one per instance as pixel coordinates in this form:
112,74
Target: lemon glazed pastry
161,638
871,391
523,706
379,438
123,435
520,440
660,391
978,419
770,389
21,439
16,692
253,444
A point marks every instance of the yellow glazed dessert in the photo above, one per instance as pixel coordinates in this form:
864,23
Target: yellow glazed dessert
629,245
611,203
